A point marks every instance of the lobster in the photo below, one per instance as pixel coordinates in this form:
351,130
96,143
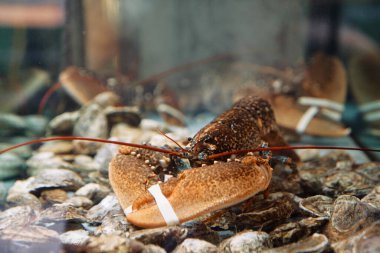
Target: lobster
214,180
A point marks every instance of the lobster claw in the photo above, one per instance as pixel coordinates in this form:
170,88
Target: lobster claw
193,193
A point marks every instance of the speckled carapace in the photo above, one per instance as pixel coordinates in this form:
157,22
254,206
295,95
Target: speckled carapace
246,125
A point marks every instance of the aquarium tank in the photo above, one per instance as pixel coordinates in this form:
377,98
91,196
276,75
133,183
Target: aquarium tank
189,126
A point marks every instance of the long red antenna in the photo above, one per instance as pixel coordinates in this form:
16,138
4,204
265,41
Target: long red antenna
289,148
47,95
70,138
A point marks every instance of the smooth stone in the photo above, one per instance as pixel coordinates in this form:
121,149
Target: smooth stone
11,124
108,206
95,192
349,212
53,196
296,230
247,241
46,160
3,193
48,179
92,122
63,123
115,224
165,237
105,154
11,166
115,243
128,115
80,202
29,238
84,163
195,245
62,212
24,152
36,125
78,237
315,243
17,216
373,198
106,99
23,199
365,241
318,205
57,147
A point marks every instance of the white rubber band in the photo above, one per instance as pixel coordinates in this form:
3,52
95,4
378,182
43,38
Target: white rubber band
162,108
371,106
321,102
306,119
164,205
372,116
128,210
332,115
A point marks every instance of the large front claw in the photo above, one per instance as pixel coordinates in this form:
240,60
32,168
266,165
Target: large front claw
130,177
197,191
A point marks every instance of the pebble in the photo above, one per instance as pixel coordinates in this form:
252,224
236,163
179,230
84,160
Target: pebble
11,124
106,99
115,224
46,160
247,241
53,196
85,164
57,147
191,245
296,230
78,237
165,237
318,205
29,238
373,198
24,152
23,199
11,166
105,154
17,216
95,192
116,243
126,115
36,125
79,202
48,179
108,206
350,215
315,243
365,241
63,124
3,193
62,212
92,122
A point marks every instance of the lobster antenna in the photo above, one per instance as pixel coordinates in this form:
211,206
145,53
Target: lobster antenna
162,133
70,138
289,148
47,95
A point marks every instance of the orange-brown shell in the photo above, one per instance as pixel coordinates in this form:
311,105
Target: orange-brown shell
193,193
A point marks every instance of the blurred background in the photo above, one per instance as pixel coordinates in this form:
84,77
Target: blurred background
196,55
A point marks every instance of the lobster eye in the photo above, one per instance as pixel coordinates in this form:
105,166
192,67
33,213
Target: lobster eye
210,143
209,140
189,139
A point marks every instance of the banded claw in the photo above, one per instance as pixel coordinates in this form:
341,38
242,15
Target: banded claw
193,193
